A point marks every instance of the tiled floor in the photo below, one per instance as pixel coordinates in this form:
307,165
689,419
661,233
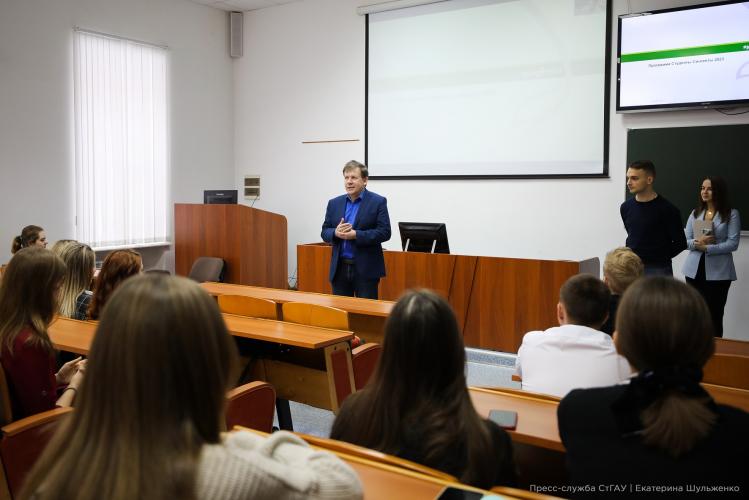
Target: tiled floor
484,368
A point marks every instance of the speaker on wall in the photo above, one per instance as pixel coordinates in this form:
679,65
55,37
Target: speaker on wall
236,24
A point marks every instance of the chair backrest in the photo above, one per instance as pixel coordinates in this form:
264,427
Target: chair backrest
375,456
251,405
207,269
6,410
364,361
24,441
248,306
315,315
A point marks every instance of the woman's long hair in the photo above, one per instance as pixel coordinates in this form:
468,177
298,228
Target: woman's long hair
116,268
79,261
28,237
720,198
28,295
153,395
664,324
419,383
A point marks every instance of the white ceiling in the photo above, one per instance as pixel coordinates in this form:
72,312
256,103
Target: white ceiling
242,5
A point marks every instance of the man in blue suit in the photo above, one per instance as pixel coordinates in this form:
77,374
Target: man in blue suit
356,223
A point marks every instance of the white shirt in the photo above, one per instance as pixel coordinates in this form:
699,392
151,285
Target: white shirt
569,357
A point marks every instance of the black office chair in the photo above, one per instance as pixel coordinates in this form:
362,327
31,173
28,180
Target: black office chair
207,269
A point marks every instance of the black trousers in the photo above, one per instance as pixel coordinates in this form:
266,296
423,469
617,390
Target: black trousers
715,294
345,282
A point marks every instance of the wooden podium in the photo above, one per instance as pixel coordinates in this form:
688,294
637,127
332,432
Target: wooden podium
496,300
252,242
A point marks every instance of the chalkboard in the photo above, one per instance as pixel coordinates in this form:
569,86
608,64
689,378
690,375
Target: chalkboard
684,156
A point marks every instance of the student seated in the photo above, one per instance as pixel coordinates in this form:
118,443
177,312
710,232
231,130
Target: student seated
574,354
31,236
80,264
417,407
662,428
620,269
116,268
28,302
148,424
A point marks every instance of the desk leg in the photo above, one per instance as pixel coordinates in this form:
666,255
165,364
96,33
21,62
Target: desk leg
340,373
284,415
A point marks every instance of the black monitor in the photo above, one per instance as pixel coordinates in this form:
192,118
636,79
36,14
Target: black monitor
430,237
220,197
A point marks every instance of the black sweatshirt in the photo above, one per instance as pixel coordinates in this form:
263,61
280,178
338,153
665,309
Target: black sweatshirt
654,229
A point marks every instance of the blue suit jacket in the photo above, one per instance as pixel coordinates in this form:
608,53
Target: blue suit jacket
372,226
718,257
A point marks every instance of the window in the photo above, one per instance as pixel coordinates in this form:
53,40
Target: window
121,142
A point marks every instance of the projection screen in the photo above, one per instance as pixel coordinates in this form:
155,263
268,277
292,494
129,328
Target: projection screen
488,88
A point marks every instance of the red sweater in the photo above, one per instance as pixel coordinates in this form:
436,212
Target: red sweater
30,372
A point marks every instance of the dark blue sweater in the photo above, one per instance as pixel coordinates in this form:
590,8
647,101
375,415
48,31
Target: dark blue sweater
654,230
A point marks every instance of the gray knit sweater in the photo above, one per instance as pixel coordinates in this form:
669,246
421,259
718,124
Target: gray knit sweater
281,466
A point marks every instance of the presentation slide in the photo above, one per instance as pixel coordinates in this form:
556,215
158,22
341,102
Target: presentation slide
487,87
689,56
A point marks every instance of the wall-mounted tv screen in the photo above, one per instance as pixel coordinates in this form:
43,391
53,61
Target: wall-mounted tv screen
690,57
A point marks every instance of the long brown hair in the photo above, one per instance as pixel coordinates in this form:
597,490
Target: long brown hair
29,235
153,395
79,262
28,295
720,198
116,268
663,323
420,383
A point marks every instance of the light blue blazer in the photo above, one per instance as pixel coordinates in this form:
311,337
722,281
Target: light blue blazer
718,257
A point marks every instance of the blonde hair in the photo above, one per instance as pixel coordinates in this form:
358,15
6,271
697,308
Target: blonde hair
621,268
163,345
79,261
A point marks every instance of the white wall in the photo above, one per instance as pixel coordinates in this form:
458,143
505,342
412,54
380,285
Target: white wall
302,78
36,104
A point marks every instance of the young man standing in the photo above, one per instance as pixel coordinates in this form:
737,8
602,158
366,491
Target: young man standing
356,223
653,224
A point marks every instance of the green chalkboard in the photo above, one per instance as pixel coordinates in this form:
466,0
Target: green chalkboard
684,156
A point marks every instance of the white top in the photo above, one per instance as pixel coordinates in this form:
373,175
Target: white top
569,357
281,466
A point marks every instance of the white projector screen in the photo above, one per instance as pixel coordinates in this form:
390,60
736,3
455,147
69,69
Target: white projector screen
488,88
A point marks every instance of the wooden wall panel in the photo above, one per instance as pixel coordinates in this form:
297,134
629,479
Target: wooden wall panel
313,267
496,300
407,270
252,242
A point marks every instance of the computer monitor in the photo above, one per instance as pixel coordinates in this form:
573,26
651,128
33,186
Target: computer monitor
429,237
220,197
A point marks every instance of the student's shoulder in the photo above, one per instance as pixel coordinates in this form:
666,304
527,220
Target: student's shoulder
583,401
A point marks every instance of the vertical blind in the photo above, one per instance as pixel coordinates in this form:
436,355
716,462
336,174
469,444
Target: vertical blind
121,141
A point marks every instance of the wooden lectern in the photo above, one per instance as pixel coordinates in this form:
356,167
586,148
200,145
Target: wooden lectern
496,300
252,242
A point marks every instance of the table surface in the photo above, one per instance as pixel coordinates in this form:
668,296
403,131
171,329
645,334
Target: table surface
537,418
76,336
355,305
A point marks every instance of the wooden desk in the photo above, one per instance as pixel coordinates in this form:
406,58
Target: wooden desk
366,316
496,300
381,480
323,388
537,418
729,366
